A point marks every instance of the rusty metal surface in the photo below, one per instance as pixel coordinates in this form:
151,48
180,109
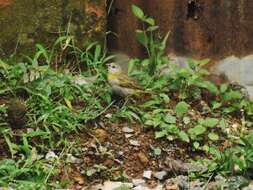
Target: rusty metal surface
199,28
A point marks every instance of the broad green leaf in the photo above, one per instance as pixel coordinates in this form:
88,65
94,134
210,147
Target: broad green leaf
186,120
216,105
182,108
183,136
160,134
213,136
142,37
203,62
170,119
157,151
198,130
208,85
223,123
223,88
209,122
131,65
171,128
196,145
137,12
150,21
152,28
165,97
232,95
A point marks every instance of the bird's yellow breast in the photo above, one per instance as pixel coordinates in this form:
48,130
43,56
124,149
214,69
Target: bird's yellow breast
113,76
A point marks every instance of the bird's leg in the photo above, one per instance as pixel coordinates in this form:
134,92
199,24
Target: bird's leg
127,100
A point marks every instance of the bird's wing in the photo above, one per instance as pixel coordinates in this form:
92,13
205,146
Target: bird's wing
127,82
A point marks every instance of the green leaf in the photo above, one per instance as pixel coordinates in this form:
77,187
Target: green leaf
171,128
152,28
142,37
157,151
198,130
186,120
208,85
160,134
90,172
150,21
183,136
203,62
165,97
196,145
213,136
216,105
232,95
137,12
223,124
209,122
182,108
170,119
223,88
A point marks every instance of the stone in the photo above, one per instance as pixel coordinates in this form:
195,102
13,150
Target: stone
179,182
143,158
51,156
127,130
101,135
134,142
128,135
110,185
138,182
160,175
237,70
140,187
72,159
147,174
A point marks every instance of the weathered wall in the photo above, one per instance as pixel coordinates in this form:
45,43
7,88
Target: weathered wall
25,22
199,28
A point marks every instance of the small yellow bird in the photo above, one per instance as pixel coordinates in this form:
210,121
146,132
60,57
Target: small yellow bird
122,84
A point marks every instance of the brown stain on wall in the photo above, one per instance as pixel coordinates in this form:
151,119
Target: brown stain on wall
199,28
5,3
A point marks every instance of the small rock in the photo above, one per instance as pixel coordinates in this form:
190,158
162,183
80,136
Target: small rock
134,142
110,185
160,175
143,158
138,182
128,135
179,182
29,130
101,135
51,156
176,166
127,130
79,179
171,187
250,187
109,115
141,187
72,159
197,185
147,174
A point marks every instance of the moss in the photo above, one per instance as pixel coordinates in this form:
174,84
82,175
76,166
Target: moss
28,21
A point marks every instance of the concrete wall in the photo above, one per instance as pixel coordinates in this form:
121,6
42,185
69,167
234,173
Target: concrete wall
25,22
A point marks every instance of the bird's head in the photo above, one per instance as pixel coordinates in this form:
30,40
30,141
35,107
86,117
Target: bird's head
113,68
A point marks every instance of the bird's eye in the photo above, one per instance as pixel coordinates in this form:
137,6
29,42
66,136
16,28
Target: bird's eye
113,67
